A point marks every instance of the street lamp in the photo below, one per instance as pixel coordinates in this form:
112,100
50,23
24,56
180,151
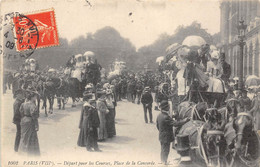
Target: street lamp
241,38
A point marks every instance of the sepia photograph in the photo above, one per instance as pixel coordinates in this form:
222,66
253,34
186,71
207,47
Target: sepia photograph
130,83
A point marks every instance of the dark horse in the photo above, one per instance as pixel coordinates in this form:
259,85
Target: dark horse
242,140
191,110
205,148
51,87
74,89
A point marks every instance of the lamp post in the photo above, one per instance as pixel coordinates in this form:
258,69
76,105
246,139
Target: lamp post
241,37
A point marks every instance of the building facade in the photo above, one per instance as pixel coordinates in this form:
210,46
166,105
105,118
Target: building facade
231,12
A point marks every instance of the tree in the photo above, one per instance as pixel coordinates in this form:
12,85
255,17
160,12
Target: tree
151,52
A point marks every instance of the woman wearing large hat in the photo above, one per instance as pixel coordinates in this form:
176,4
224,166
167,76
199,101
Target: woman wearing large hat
110,117
89,122
102,111
29,143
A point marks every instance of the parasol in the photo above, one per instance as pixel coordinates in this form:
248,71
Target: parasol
172,48
89,54
193,41
252,80
159,60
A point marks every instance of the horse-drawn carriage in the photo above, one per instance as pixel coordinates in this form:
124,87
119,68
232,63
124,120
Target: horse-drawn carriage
218,133
80,71
220,136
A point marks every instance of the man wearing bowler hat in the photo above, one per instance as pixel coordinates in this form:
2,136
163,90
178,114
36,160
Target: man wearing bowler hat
165,124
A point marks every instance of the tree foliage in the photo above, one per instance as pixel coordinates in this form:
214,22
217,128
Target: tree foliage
109,45
150,53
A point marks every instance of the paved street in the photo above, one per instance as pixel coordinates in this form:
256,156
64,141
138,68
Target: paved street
58,133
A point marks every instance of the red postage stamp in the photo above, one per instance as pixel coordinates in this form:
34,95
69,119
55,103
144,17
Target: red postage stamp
37,30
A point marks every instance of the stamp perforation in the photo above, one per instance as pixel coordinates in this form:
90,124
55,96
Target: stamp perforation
55,33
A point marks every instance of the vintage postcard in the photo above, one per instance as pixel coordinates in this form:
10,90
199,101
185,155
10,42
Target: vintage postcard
155,83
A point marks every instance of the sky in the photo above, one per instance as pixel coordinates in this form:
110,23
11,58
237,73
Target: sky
141,21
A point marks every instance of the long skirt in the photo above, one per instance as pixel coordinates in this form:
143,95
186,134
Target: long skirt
102,130
87,138
29,143
110,122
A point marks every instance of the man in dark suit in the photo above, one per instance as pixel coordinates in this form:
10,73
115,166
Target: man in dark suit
224,68
165,124
17,117
147,101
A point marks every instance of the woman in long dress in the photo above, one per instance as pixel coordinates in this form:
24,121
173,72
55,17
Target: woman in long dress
29,143
102,111
89,122
110,117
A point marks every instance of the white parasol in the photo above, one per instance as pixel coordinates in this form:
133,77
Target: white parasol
90,55
160,59
193,41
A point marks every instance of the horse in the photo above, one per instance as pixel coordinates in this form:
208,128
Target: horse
247,142
53,86
191,110
242,140
207,147
74,89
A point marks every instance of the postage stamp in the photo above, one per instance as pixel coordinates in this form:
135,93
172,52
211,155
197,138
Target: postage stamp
129,83
36,30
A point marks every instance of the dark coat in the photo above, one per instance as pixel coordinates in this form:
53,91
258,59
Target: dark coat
89,117
161,97
226,71
147,98
88,120
16,108
164,124
139,88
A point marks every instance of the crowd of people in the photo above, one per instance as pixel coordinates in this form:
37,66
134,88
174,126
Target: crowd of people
175,84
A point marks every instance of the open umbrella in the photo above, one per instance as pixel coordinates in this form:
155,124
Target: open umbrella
252,80
193,41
